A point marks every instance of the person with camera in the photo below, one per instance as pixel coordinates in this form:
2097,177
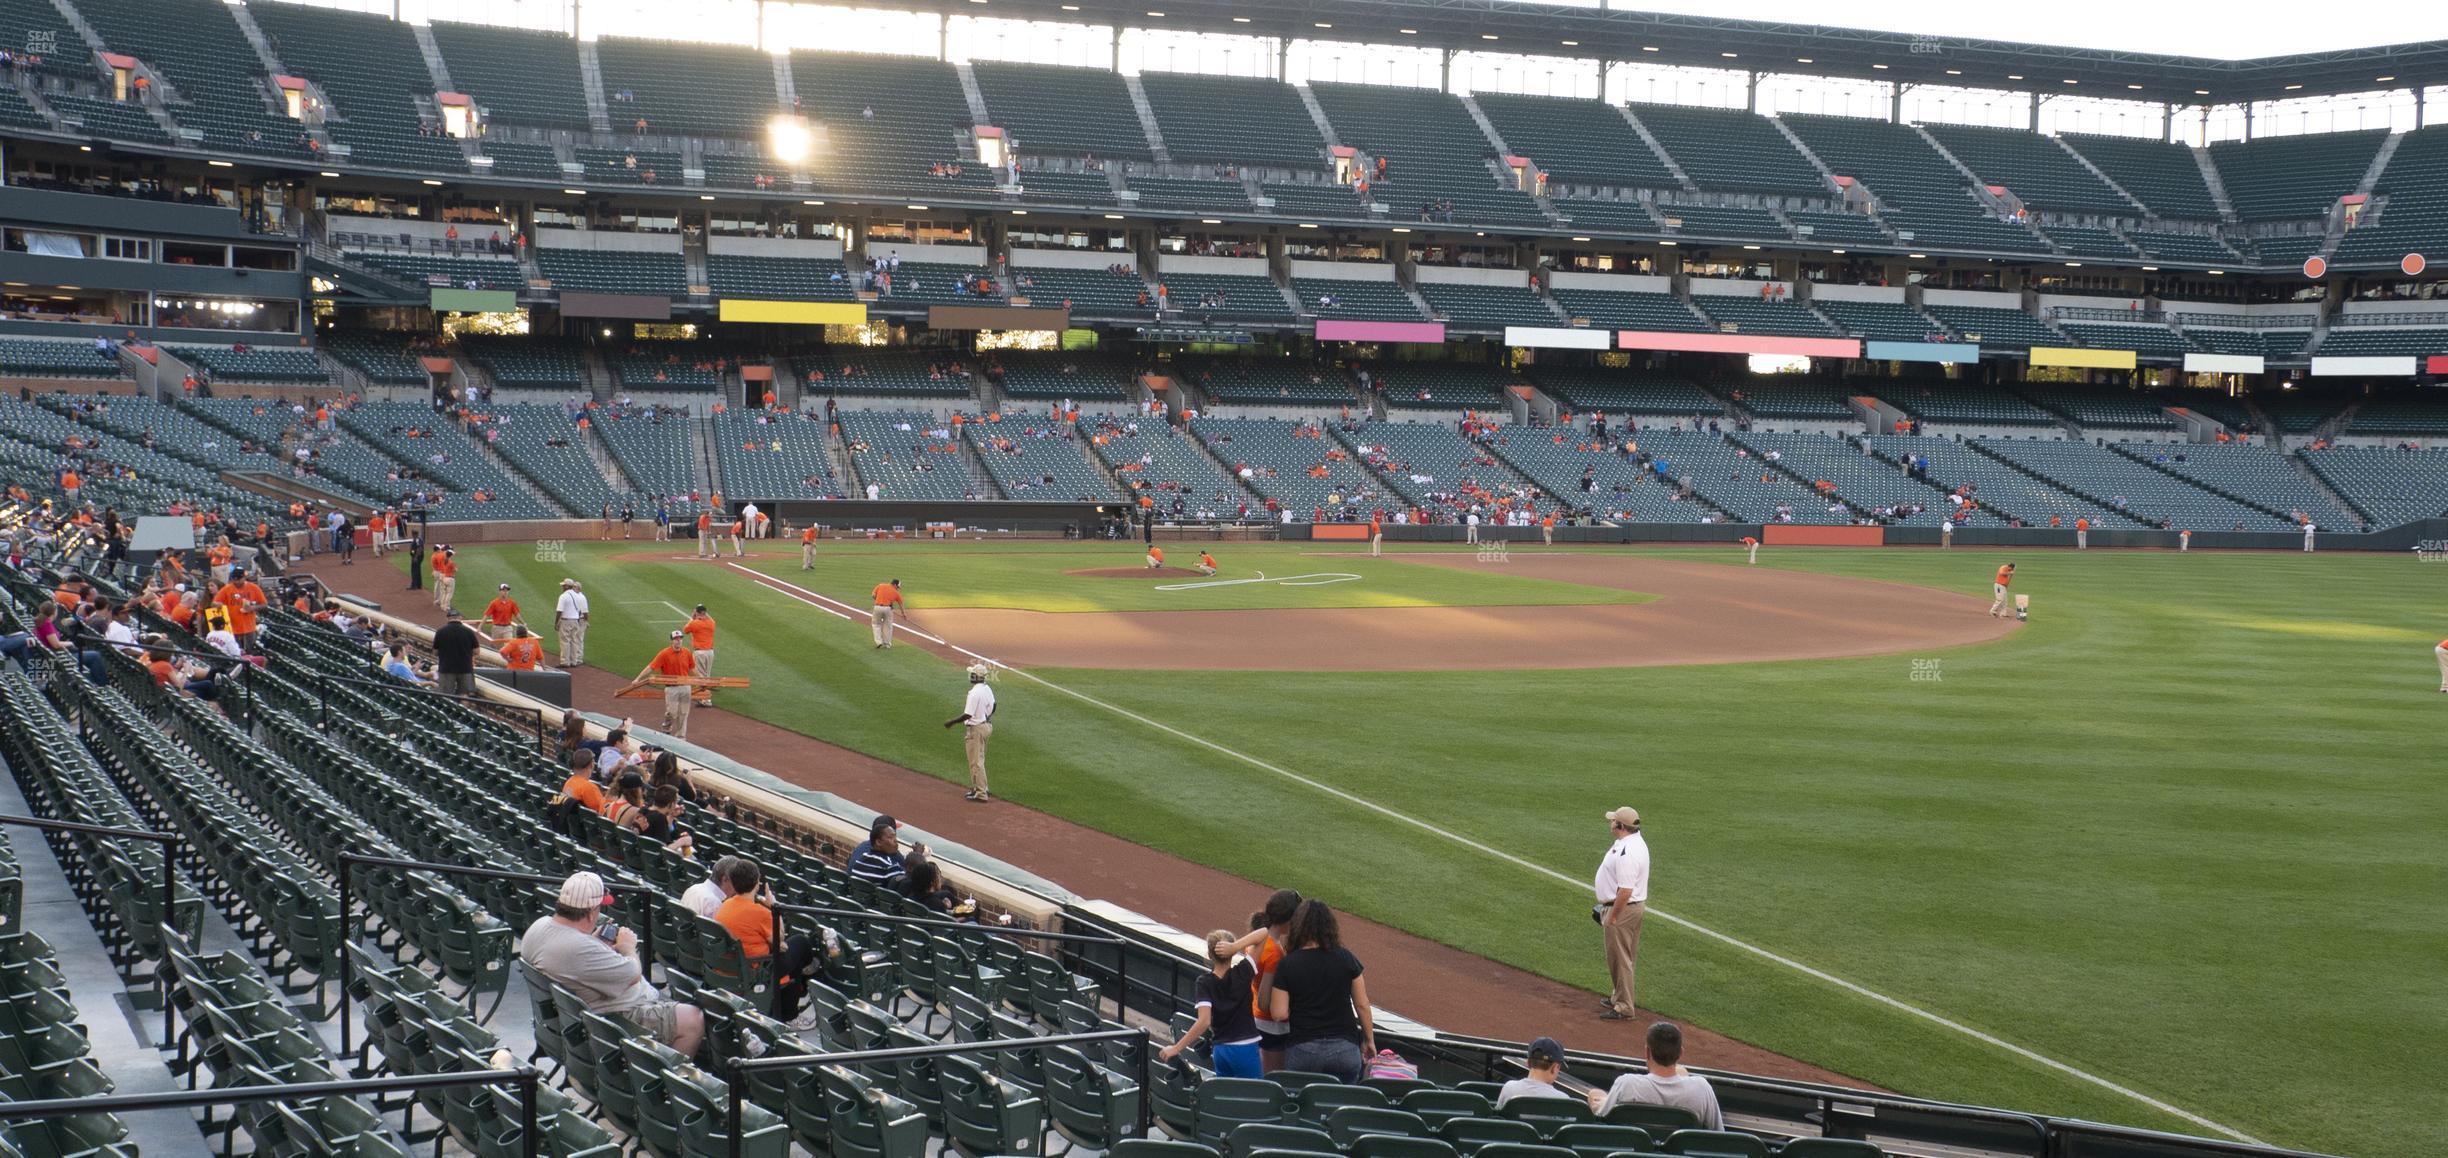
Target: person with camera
178,674
582,949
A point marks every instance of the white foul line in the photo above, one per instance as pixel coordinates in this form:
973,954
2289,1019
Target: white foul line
1858,990
1314,579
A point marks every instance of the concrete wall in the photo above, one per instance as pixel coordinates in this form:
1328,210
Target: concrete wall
604,241
821,247
1454,275
1733,287
1343,270
1071,258
1621,283
1226,266
938,254
1987,299
1824,291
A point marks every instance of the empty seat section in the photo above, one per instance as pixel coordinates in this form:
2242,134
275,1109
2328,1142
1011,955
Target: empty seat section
1575,141
527,363
742,170
1995,484
1731,150
1941,401
2036,169
1748,314
1611,216
655,448
1053,110
1628,310
1100,382
1094,292
1232,120
1730,478
1150,457
916,285
2247,470
1872,485
523,161
197,47
1619,392
1267,382
615,271
2204,248
1996,326
1486,306
1035,458
1436,468
1734,221
2300,176
908,455
2090,241
41,22
16,111
2154,497
1348,298
56,358
855,371
1314,200
786,456
707,89
441,449
372,73
1837,228
2089,406
517,76
1434,153
2287,250
2383,335
797,279
1443,386
1183,193
1881,321
454,270
1063,187
2141,339
545,444
104,117
888,121
2401,412
628,166
2390,485
2413,217
253,364
2162,174
1593,479
382,358
1919,192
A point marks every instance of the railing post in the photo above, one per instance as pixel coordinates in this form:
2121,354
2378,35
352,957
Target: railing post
169,926
1147,1081
732,1114
529,1094
347,960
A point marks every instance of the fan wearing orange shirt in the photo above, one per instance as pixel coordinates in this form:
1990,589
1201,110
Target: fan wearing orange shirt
241,598
705,535
700,629
674,661
888,603
522,651
581,785
747,914
2005,578
501,614
446,576
807,547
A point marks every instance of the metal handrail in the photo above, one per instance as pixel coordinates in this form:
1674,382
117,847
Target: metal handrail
741,1067
524,1077
169,881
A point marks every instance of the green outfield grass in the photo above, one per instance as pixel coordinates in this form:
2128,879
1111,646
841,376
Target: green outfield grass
2183,832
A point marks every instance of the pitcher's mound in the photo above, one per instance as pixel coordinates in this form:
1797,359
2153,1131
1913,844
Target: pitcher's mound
1134,573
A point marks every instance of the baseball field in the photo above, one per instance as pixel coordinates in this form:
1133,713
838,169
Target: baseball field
2170,854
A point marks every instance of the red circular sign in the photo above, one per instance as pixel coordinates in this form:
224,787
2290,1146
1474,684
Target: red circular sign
2315,266
2413,264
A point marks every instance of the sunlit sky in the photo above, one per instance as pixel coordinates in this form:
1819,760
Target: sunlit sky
2186,26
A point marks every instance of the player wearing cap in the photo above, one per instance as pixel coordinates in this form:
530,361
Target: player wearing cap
1623,894
888,604
501,614
2005,579
1207,564
1545,1061
675,660
705,535
582,949
978,717
807,547
570,620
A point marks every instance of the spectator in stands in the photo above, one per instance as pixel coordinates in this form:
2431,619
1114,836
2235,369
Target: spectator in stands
396,665
581,949
1321,997
178,675
626,806
454,648
1545,1061
1666,1084
706,897
1224,995
666,773
663,824
924,883
748,914
882,864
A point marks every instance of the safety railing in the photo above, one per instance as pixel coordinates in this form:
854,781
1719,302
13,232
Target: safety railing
169,881
525,1078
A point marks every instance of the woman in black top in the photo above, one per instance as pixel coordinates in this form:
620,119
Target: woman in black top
922,881
1224,1009
1318,991
667,774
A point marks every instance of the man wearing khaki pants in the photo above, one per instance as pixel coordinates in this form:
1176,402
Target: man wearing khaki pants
977,714
1623,895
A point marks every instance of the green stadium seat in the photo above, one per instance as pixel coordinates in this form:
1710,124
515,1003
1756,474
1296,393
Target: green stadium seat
1470,1134
1715,1144
1399,1146
1347,1124
1229,120
1659,1121
1227,1103
1595,1139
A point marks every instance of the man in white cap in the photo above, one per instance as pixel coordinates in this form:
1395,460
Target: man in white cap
570,618
584,951
977,718
1623,894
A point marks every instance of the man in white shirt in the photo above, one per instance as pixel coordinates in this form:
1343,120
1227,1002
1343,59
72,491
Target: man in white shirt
2308,529
1623,895
704,897
570,617
1666,1084
1471,527
1545,1061
977,718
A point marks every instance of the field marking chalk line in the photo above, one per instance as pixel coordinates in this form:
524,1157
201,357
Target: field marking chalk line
1318,579
819,600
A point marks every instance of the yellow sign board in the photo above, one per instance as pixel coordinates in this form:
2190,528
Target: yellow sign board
2095,359
795,313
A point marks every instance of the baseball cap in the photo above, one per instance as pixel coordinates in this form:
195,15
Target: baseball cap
676,635
453,613
569,583
1544,1051
977,671
1627,816
583,890
505,587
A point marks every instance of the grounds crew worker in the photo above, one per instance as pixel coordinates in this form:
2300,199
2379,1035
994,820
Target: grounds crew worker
700,629
674,660
2005,579
807,547
570,618
446,576
887,602
502,613
978,717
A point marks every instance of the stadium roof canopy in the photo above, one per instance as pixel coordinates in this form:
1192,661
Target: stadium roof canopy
1519,26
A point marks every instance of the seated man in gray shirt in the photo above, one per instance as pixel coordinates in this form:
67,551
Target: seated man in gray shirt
581,950
1546,1062
1666,1084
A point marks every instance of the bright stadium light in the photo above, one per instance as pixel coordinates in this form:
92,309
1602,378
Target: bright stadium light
789,140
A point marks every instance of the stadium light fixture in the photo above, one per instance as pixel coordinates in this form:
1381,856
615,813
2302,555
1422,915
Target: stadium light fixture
1648,48
811,203
1241,19
1918,256
2135,87
1211,221
1402,229
1113,217
2293,87
1880,67
1580,239
705,197
788,139
84,148
1487,36
920,208
1954,72
1408,31
1323,24
1836,251
1668,244
2201,92
1571,43
2217,272
2382,79
432,182
2014,76
2073,265
1308,225
2150,269
2071,80
220,164
1019,212
328,173
575,192
1727,55
1750,247
1804,60
1156,14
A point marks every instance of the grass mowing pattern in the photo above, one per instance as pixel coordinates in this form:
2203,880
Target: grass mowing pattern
2191,804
